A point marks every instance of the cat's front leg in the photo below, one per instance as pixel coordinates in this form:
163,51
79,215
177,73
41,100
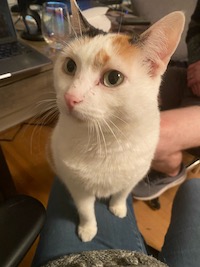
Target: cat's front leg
118,204
87,228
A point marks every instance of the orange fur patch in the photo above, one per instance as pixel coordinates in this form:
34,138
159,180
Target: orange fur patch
100,59
121,44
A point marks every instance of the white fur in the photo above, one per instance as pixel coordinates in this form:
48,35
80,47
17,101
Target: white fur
110,161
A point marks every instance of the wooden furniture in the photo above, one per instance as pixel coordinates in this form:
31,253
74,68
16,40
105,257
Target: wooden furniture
22,216
20,95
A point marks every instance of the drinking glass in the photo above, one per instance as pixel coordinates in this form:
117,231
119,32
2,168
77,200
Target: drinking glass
55,24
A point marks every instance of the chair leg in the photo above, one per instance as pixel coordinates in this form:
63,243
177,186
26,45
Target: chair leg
7,185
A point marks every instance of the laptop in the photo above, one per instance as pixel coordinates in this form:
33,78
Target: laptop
15,56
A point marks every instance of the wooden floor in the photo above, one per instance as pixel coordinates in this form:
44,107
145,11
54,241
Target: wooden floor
25,149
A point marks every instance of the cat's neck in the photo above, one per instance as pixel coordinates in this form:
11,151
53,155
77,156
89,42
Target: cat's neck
75,126
89,141
93,136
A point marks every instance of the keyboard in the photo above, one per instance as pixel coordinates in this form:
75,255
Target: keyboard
12,49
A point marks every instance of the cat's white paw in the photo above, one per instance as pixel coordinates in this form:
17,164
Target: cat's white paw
87,232
119,210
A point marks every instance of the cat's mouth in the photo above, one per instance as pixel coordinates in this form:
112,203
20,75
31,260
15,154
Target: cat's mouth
80,116
84,116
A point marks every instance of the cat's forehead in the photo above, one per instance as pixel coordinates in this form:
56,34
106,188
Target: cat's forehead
100,49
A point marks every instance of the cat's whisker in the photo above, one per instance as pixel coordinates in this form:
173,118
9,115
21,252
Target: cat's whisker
43,117
67,44
35,128
113,133
74,31
118,129
103,137
50,100
49,116
48,93
46,100
90,134
119,118
45,113
45,104
79,25
98,138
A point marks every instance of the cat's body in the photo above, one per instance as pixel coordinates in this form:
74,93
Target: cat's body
108,163
108,127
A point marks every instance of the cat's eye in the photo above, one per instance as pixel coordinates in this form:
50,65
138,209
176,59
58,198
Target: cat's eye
69,66
112,78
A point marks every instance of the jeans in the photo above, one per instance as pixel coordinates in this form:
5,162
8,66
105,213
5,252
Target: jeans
182,242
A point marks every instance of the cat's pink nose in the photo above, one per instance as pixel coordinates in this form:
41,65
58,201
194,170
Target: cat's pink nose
72,100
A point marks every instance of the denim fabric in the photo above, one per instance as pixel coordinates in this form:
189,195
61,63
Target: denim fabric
182,242
59,235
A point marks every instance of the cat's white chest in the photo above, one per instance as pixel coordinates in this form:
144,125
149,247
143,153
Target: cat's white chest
102,169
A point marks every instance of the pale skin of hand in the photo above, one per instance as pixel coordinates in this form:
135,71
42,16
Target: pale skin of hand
193,77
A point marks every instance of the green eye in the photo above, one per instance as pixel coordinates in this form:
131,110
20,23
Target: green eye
69,66
112,78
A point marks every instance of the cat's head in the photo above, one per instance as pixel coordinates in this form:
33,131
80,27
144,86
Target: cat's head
113,77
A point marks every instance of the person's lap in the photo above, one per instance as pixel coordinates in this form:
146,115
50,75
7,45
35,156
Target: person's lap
59,235
181,246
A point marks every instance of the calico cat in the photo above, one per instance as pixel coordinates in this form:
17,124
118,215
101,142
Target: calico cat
107,88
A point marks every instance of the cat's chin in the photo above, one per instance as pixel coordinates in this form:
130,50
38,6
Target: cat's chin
79,117
83,117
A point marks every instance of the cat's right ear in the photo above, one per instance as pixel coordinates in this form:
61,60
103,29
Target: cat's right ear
160,41
80,25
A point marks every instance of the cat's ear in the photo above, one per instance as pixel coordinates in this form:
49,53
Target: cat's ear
160,41
80,25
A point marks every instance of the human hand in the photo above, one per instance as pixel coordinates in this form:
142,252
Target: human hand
193,77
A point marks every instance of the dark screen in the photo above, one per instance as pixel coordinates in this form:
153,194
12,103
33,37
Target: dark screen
7,31
4,27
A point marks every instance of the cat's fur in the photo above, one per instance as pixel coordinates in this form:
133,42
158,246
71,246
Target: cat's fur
105,138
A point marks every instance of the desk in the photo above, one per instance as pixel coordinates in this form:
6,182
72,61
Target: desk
20,95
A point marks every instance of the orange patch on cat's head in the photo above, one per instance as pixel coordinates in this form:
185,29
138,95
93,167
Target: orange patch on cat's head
123,46
100,59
